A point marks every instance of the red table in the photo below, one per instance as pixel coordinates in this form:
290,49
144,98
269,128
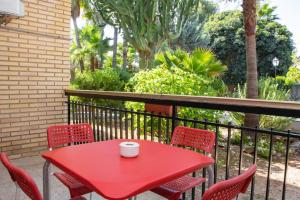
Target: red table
99,166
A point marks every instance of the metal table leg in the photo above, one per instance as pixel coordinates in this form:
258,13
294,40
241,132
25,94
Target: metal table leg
210,175
46,185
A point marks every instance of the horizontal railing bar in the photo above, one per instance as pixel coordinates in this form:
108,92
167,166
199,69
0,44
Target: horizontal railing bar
278,108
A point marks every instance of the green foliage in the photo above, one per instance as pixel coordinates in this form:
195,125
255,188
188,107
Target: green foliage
226,35
147,25
201,62
192,36
107,79
263,144
269,89
93,46
131,57
292,77
175,80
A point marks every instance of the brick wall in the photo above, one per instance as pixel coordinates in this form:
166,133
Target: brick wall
34,70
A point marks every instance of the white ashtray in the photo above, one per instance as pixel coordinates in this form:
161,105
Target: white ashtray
129,149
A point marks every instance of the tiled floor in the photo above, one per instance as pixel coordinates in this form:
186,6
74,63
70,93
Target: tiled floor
34,166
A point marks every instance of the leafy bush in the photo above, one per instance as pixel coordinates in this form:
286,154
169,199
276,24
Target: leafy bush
107,79
269,89
263,144
201,61
163,80
182,74
292,76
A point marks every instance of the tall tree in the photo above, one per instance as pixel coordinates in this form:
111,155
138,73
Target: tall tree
249,13
192,35
125,51
146,24
75,13
227,40
92,16
115,48
93,46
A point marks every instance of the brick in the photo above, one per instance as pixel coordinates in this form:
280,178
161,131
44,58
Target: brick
34,71
5,144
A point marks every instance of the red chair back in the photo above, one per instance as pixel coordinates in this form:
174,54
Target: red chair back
65,134
193,137
229,189
25,182
7,165
159,109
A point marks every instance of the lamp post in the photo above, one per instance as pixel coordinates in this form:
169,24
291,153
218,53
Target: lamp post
275,63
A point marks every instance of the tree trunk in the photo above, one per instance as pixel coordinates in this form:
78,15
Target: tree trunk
81,63
101,54
249,13
146,60
115,48
96,63
125,50
92,64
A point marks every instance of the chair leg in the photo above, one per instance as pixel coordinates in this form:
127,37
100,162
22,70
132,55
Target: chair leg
210,176
17,194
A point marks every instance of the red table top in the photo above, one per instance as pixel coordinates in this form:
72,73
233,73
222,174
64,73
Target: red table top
100,166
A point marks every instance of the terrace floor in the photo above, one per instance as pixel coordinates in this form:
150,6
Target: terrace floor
34,166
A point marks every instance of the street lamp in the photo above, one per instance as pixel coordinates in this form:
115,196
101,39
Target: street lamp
275,63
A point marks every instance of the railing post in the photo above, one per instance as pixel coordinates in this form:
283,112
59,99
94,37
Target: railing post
174,116
69,109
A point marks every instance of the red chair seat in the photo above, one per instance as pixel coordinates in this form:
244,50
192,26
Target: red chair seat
180,185
75,187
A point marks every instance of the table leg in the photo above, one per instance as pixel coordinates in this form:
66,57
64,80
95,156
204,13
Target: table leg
210,175
46,185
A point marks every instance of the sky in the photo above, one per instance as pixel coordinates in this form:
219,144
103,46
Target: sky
287,12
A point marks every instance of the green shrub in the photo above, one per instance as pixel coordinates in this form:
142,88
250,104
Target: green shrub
292,76
201,61
107,79
269,89
162,80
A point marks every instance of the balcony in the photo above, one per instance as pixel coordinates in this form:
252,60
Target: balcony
275,178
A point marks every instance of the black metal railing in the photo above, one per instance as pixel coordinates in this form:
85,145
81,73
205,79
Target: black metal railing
231,155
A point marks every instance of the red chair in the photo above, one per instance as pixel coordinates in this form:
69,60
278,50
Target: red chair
229,189
24,181
226,190
159,109
63,135
189,137
7,165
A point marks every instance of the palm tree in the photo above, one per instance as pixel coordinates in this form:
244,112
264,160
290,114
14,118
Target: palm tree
94,46
115,48
249,13
75,13
201,61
